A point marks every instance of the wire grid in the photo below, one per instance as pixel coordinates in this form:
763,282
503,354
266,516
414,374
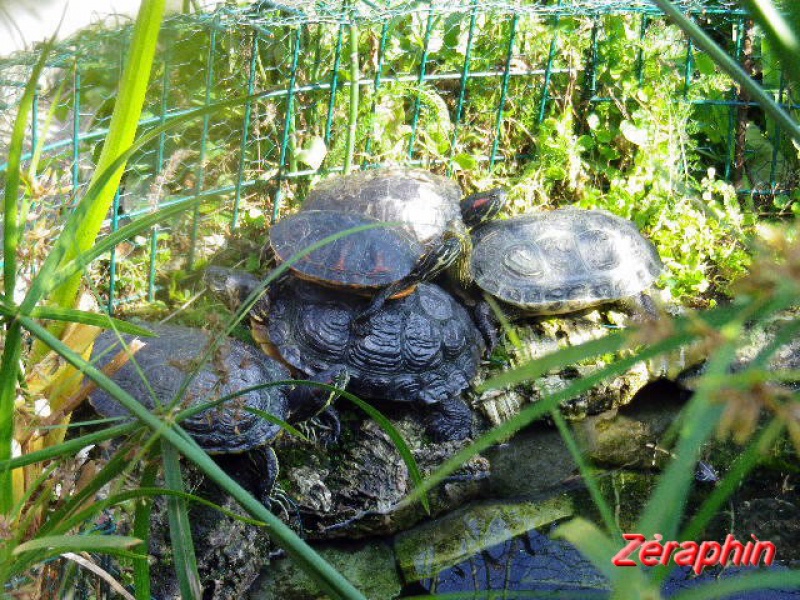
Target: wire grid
439,84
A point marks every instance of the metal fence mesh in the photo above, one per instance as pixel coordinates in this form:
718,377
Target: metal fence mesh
453,86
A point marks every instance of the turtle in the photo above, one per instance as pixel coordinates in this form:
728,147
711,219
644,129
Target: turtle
381,263
428,206
422,349
425,203
563,260
228,431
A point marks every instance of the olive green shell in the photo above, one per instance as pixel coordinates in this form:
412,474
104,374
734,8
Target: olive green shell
363,261
427,203
167,359
563,260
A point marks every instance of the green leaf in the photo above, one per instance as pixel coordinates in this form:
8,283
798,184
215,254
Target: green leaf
635,135
314,153
466,162
78,543
73,315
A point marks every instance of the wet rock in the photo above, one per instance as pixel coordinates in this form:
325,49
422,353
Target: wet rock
545,335
369,567
630,436
534,464
436,545
356,489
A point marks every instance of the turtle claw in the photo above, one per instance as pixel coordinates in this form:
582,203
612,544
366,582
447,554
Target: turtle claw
450,420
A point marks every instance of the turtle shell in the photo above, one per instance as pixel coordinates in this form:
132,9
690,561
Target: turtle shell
423,347
362,261
167,359
563,260
427,203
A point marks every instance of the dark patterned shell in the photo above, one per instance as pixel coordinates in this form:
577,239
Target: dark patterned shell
366,260
426,202
423,347
167,359
563,260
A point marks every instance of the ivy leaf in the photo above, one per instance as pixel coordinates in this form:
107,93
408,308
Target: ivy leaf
635,135
314,153
467,162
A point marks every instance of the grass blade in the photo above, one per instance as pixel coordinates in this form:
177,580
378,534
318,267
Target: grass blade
180,531
745,463
399,443
121,133
44,283
146,493
586,472
40,549
73,315
782,27
11,223
141,530
9,367
68,448
274,420
724,588
568,355
77,543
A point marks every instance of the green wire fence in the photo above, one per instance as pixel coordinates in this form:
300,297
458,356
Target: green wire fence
448,86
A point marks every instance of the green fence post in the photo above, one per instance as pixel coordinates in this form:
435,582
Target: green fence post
201,167
549,68
287,127
248,108
421,79
498,128
462,92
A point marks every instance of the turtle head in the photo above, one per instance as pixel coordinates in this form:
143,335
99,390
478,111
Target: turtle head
230,285
483,206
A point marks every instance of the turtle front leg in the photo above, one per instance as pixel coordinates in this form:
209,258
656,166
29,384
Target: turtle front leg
450,420
487,324
442,255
